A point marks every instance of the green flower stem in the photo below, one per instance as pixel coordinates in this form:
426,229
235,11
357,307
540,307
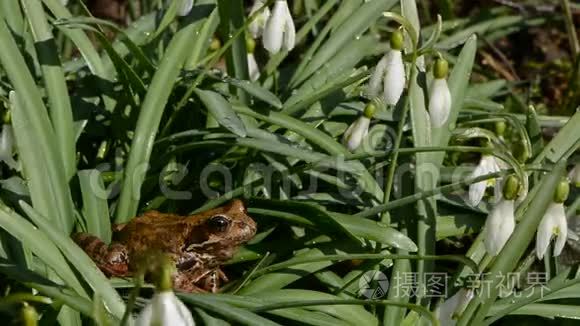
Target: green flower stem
385,218
232,18
570,27
425,194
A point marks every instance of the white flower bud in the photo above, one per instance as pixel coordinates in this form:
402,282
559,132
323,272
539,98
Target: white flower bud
499,226
394,82
279,32
439,102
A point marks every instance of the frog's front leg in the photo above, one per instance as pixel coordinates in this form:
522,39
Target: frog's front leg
112,259
187,281
213,280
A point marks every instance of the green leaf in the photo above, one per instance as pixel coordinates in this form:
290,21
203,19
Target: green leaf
353,314
36,141
321,139
279,279
79,259
237,315
326,222
80,39
95,207
359,21
56,88
566,141
376,231
534,131
257,91
480,28
222,111
232,18
41,246
148,123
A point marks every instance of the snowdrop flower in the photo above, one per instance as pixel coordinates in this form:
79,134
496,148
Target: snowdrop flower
7,146
575,175
184,8
439,95
451,308
359,129
279,32
487,164
165,308
257,25
64,2
501,221
390,72
253,69
554,223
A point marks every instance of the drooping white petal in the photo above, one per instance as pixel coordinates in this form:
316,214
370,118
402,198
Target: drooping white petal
279,30
553,222
544,234
375,83
64,2
356,132
253,69
561,225
499,226
487,164
477,190
439,102
394,83
289,31
165,309
453,306
184,7
257,25
7,147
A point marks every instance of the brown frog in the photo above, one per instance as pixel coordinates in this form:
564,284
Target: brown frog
198,244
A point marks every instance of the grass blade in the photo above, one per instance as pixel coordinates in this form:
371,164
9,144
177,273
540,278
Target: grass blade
81,261
56,88
148,123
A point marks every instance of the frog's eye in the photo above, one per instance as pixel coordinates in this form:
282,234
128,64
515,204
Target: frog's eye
219,223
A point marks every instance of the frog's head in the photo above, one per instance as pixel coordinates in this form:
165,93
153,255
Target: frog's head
220,231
